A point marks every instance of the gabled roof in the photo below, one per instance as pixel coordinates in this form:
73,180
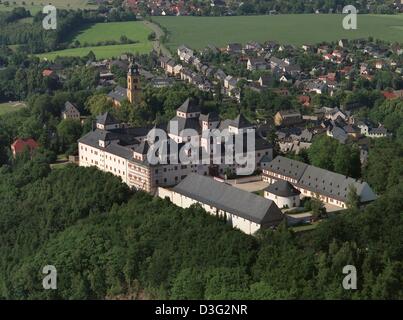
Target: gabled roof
321,181
20,144
230,199
240,122
142,148
184,123
69,107
107,119
287,167
118,94
210,117
189,106
283,188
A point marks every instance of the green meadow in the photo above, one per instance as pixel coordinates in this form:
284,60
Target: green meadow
37,5
297,29
90,36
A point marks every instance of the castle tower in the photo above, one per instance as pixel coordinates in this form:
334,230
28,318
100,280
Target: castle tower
133,84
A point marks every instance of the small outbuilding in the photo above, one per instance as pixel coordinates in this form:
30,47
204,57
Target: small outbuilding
283,194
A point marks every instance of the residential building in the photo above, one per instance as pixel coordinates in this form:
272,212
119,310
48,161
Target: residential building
287,118
20,145
70,111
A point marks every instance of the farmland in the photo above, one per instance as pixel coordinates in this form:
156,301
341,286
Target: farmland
93,34
36,5
297,29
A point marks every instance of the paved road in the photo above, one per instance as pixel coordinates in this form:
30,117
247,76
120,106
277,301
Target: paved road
158,45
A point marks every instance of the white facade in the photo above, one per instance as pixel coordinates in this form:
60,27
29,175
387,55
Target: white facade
104,161
283,202
246,226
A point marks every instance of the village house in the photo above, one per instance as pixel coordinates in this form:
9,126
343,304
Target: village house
241,209
330,187
20,145
287,118
185,54
70,111
234,48
254,64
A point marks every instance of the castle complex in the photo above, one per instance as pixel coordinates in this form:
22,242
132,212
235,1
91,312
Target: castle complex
122,150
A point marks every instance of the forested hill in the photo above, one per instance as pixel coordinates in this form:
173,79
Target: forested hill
107,242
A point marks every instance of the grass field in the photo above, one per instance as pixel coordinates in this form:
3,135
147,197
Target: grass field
108,31
39,4
197,32
10,107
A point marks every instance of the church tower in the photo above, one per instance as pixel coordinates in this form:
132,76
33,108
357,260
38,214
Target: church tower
133,84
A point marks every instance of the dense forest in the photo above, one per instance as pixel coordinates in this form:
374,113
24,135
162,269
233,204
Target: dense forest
107,242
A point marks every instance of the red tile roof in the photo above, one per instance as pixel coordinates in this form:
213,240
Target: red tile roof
47,72
389,95
20,144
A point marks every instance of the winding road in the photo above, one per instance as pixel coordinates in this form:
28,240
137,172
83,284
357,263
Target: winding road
159,33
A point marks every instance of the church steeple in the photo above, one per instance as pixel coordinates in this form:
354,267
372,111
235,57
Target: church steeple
133,83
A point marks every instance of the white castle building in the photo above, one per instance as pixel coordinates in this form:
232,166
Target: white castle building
121,150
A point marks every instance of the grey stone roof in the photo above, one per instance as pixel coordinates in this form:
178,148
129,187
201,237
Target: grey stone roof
230,199
287,167
189,106
92,139
106,119
321,181
184,123
118,94
210,117
241,122
283,188
68,106
142,148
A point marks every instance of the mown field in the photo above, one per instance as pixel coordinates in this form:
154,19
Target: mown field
10,107
37,5
297,29
90,36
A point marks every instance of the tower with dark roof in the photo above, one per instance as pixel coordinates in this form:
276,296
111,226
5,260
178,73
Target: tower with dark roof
133,84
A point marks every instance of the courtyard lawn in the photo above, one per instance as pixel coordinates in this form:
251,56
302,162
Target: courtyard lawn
133,30
297,29
10,107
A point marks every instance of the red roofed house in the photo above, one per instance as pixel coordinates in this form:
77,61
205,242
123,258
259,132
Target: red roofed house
20,145
305,100
47,73
389,95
